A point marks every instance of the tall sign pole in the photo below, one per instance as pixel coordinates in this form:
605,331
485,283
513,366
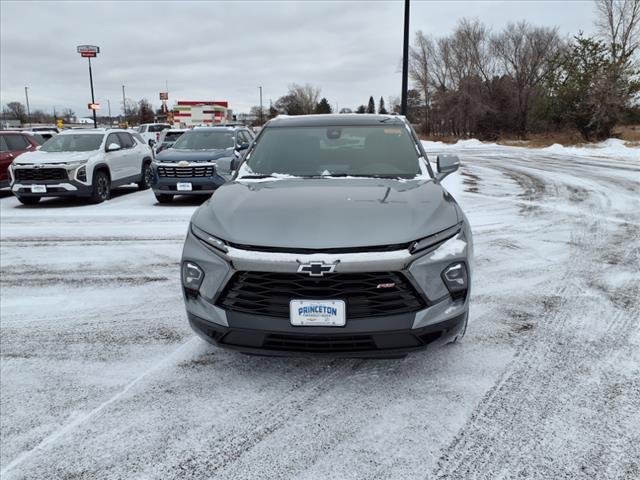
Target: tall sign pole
124,107
89,52
405,60
261,120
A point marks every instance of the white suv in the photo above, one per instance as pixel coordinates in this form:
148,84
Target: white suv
151,132
81,163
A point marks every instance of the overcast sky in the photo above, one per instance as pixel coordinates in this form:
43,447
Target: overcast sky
225,50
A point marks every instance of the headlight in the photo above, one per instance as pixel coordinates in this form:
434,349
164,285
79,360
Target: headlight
435,241
75,163
192,276
209,240
81,173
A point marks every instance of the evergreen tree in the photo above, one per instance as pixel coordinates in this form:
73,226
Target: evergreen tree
381,109
361,109
323,106
371,108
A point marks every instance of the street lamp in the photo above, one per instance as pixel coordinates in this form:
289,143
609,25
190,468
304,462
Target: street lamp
124,107
26,94
89,52
260,87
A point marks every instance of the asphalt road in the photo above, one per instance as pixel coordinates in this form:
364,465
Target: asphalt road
102,378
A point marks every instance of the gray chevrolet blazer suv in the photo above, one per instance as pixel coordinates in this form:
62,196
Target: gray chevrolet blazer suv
334,236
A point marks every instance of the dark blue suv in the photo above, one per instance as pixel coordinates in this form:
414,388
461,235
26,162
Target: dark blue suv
189,166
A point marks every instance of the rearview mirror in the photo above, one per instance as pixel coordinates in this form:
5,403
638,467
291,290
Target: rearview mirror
447,164
242,146
113,147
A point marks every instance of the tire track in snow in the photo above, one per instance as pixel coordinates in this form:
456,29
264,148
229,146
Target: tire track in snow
494,439
52,438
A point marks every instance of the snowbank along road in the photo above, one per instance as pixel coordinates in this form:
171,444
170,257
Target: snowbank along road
102,378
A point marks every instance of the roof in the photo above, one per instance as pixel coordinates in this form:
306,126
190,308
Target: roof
220,127
92,130
332,120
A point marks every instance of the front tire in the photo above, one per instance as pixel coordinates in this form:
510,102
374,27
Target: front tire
147,176
101,187
164,197
28,200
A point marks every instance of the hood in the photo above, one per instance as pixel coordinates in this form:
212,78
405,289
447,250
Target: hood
39,156
327,213
171,155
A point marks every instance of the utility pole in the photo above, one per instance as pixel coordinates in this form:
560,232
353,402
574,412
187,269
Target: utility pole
124,106
405,60
26,94
261,120
109,106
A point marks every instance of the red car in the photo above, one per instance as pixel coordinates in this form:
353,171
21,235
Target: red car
13,144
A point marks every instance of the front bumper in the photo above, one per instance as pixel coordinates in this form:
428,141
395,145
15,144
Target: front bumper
375,337
66,185
441,318
199,185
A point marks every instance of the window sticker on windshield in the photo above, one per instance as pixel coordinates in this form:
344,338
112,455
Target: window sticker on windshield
393,131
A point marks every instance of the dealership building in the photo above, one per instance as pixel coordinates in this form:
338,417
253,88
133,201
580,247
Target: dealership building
195,113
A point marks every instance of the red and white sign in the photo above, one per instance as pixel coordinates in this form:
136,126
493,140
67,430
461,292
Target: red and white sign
88,50
94,106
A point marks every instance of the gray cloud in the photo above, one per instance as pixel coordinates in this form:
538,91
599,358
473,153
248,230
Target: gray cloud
224,50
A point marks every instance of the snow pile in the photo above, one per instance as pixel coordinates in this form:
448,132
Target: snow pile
460,144
612,147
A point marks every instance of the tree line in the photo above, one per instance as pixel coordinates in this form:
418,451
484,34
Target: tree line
525,78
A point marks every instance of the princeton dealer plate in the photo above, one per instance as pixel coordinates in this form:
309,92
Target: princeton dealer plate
183,187
317,313
38,189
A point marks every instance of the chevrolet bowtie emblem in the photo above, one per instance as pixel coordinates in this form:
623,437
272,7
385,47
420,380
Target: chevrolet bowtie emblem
183,163
316,269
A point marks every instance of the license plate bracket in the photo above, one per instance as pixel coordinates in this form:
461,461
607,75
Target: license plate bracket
184,187
38,189
317,313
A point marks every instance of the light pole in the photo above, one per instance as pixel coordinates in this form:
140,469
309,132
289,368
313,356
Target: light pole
260,87
109,107
124,106
26,94
405,60
89,52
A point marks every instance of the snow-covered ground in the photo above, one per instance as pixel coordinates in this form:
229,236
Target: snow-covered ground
102,378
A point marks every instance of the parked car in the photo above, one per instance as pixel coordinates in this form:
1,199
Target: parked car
189,167
151,132
168,138
83,163
41,136
13,144
333,236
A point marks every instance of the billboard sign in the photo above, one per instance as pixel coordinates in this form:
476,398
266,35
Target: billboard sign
88,50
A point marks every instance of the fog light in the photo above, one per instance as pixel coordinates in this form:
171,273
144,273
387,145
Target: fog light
81,174
192,276
456,279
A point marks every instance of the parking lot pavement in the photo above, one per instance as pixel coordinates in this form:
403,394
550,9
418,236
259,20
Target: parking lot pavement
102,378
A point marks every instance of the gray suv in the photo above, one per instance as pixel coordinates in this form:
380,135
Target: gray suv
334,236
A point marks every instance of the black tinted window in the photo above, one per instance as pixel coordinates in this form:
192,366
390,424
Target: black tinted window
158,128
16,142
352,150
172,136
125,140
113,138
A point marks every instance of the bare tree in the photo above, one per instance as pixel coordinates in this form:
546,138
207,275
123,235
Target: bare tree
618,23
306,95
18,110
420,62
527,55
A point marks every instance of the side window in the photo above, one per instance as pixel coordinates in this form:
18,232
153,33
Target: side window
125,140
113,138
3,144
16,143
142,128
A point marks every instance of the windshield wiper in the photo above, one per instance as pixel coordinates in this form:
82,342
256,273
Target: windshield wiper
363,175
255,176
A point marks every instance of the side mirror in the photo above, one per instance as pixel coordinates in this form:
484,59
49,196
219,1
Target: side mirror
152,143
113,147
38,147
447,164
225,166
242,146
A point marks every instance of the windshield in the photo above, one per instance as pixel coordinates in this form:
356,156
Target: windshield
205,140
73,142
339,151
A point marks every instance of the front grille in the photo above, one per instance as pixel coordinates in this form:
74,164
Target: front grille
269,294
186,172
317,343
27,174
